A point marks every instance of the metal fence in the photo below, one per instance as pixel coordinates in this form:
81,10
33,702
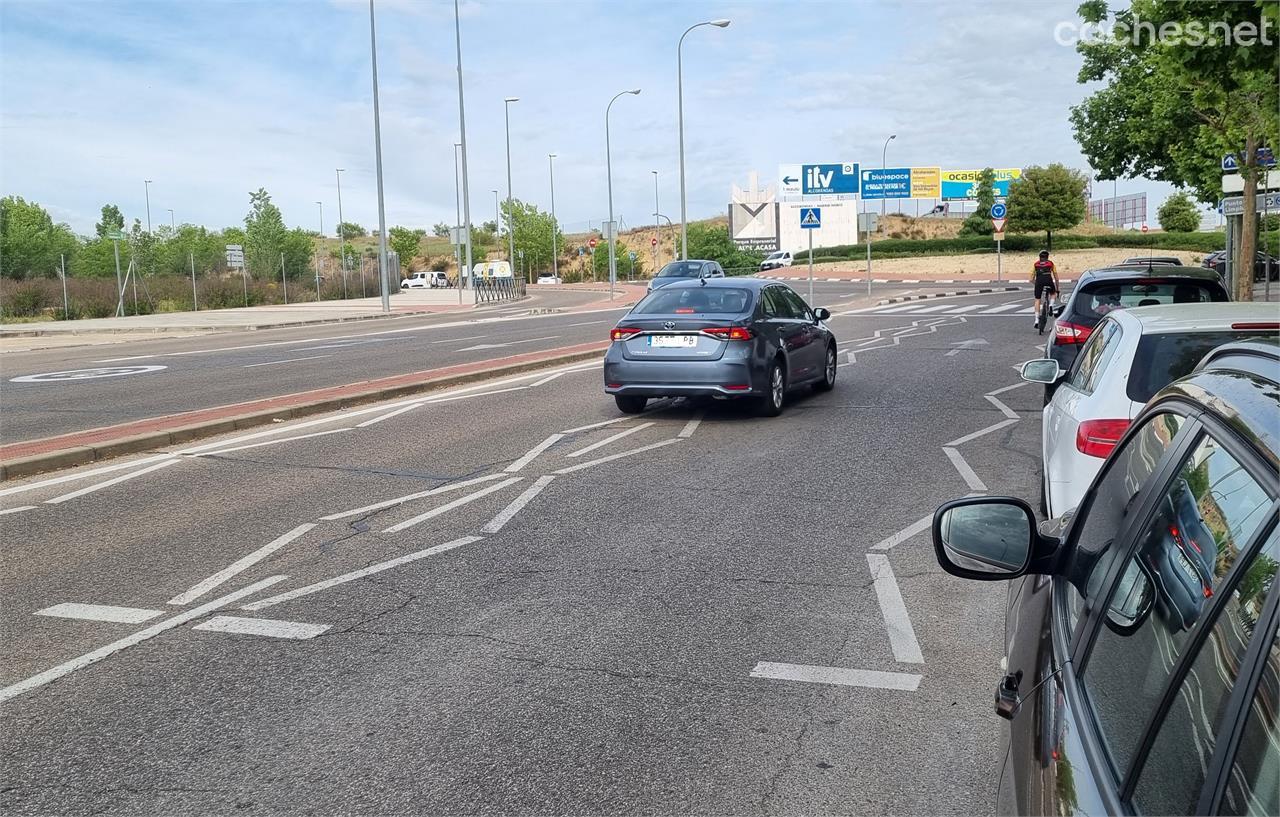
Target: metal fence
496,290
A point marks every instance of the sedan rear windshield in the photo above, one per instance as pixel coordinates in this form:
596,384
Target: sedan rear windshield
695,301
681,269
1096,300
1162,359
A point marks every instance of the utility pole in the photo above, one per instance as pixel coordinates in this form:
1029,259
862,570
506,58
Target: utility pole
377,145
342,238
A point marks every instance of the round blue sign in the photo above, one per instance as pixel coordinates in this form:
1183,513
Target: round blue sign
998,210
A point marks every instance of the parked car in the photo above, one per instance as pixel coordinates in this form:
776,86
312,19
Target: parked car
424,280
776,260
1131,355
1262,266
727,339
1100,291
1151,260
684,271
548,278
1142,676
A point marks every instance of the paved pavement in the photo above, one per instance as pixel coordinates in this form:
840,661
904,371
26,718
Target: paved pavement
512,599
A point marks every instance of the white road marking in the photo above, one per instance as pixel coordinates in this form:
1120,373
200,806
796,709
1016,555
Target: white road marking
970,478
240,565
269,627
1017,385
1002,308
287,360
92,472
982,432
902,681
100,612
359,574
448,506
931,309
113,481
18,509
271,442
533,453
460,340
1005,410
904,534
584,323
544,381
891,309
517,504
390,503
968,308
80,662
346,344
618,456
611,438
480,346
691,426
594,425
390,414
902,637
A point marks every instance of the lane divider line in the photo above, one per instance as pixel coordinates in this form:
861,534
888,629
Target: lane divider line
532,453
113,481
448,506
902,636
391,503
618,456
239,566
18,509
626,432
218,451
970,477
902,681
506,514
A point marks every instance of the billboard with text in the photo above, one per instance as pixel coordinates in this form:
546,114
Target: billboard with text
962,185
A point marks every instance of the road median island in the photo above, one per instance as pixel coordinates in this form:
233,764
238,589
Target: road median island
78,448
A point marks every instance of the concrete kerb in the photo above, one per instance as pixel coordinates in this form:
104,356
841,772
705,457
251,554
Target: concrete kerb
138,443
905,298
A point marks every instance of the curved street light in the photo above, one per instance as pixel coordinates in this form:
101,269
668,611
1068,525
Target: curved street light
608,163
511,225
883,154
684,210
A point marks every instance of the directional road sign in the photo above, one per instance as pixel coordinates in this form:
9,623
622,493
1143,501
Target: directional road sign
1266,158
810,218
998,210
116,235
1234,206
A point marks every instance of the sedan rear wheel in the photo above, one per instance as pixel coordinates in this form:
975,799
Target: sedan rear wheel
628,404
771,404
828,381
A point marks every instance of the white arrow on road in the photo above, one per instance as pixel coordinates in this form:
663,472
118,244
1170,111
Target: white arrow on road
480,346
971,345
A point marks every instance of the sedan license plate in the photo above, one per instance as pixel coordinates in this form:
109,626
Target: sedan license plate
673,341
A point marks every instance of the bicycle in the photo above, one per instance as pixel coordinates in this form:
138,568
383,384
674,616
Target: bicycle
1045,310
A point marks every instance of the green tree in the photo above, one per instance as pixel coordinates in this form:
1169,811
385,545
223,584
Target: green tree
299,250
264,235
96,259
533,229
30,243
1170,109
112,219
405,243
1178,214
1046,199
349,229
979,221
712,243
440,230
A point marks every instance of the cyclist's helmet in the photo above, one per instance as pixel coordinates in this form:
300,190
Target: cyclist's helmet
1044,255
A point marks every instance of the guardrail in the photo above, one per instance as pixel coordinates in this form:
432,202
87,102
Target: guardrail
496,290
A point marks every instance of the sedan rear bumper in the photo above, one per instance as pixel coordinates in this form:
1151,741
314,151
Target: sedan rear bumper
727,377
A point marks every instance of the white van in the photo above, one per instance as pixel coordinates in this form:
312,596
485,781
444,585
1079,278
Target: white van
425,280
486,270
776,260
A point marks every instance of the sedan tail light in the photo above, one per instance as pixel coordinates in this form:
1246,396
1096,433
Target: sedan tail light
1098,438
728,332
623,332
1067,332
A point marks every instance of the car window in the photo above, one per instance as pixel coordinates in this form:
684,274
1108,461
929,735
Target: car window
1163,358
774,306
799,309
681,269
1092,303
1204,516
1098,350
1173,771
1110,506
1251,781
687,300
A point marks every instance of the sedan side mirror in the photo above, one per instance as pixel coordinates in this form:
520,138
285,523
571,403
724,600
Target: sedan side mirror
1045,370
985,538
822,313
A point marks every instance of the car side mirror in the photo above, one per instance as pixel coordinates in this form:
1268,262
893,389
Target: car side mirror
985,538
1057,309
1045,370
822,313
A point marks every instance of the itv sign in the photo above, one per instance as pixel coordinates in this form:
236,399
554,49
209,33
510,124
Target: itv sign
829,179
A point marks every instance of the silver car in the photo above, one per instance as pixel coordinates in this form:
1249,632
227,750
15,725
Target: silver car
723,338
691,269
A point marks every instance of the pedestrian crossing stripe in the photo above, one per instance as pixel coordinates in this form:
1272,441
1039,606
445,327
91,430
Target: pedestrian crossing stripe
1005,310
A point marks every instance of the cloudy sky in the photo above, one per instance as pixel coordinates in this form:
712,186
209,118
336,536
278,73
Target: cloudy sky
213,99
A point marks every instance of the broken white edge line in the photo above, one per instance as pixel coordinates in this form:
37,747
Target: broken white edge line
904,534
626,432
1005,410
269,627
982,431
970,478
359,574
533,453
18,509
902,637
92,472
100,612
903,681
240,565
377,506
617,456
594,425
270,442
80,662
1018,385
108,483
691,426
448,506
286,360
517,504
391,414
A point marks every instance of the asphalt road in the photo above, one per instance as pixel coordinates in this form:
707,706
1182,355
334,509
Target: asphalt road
690,611
184,374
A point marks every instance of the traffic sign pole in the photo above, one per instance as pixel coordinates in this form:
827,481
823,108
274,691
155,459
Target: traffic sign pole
811,268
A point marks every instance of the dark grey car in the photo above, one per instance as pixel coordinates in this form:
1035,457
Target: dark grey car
720,338
690,269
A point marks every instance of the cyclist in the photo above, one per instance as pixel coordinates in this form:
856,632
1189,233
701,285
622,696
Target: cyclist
1044,275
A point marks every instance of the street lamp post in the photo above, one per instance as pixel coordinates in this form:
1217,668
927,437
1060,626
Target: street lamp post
657,225
146,189
555,250
173,224
320,204
462,141
883,156
511,232
608,164
457,217
342,237
684,210
377,144
497,217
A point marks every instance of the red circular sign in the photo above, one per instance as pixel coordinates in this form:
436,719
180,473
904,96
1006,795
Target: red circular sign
1144,228
592,243
653,242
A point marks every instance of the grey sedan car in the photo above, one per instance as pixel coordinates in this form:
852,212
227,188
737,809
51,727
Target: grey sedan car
725,338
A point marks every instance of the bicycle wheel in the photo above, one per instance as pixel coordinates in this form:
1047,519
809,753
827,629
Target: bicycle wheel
1044,315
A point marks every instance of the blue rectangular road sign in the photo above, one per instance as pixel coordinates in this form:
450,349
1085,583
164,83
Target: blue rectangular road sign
1266,158
829,180
810,218
893,183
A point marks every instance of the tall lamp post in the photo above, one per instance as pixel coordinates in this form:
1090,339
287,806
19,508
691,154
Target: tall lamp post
146,190
173,224
319,204
608,164
342,237
883,156
462,141
555,250
657,225
511,232
497,217
377,150
684,209
457,217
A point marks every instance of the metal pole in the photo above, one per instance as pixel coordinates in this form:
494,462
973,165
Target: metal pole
868,226
133,271
377,147
119,283
66,305
497,218
342,236
244,278
555,250
883,155
146,189
810,232
511,223
195,298
657,224
608,164
173,224
999,276
684,201
457,219
284,280
462,129
1115,215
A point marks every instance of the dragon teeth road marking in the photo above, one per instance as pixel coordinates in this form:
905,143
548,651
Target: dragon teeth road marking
240,565
626,432
901,681
902,637
100,612
269,627
691,426
618,456
377,506
506,514
967,473
448,506
113,481
532,453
